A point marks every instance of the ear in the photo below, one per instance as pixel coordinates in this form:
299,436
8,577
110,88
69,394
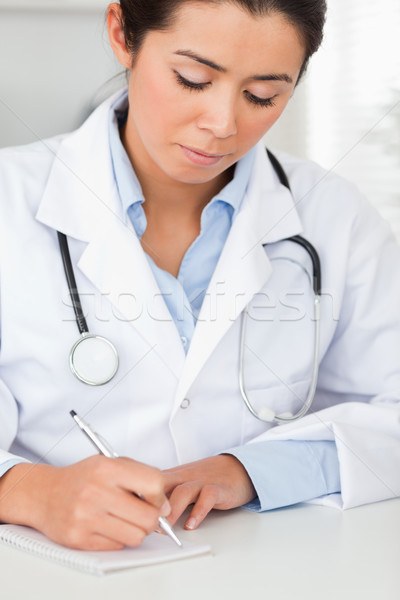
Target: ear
116,35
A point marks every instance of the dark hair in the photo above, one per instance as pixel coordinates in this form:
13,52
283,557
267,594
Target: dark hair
141,16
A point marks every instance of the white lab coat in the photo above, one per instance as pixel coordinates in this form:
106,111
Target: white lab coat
164,407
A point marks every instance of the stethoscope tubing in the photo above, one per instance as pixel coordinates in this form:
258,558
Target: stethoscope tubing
265,414
72,287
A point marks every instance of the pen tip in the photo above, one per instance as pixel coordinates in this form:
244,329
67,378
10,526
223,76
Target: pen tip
72,413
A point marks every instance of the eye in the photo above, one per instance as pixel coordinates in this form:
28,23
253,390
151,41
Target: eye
262,102
190,85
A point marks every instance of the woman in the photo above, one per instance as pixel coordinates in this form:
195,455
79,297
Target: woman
176,221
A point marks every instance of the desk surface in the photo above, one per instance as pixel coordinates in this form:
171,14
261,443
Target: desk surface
305,552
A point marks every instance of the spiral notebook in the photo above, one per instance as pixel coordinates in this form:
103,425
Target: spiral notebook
155,549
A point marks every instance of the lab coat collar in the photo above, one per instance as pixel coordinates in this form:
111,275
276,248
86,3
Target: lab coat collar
80,198
276,216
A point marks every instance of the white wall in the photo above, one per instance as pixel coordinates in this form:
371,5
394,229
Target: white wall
53,63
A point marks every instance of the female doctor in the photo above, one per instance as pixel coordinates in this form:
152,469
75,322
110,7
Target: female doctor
177,225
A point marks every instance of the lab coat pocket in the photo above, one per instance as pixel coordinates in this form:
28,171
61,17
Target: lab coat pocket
285,399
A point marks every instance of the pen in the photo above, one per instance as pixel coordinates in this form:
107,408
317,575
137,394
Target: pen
104,448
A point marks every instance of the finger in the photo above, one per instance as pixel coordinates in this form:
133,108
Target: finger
207,500
97,541
121,532
144,481
181,497
111,534
101,532
133,510
176,476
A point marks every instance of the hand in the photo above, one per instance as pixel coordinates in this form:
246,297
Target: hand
217,482
89,505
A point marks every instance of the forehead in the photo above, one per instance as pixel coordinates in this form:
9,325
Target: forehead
230,36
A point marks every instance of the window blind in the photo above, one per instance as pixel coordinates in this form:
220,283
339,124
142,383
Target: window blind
353,100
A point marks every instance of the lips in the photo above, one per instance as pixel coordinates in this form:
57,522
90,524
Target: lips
208,154
200,157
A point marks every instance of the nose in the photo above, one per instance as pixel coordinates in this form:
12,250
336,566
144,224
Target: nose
219,117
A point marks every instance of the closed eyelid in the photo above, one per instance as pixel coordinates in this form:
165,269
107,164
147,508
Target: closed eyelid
266,89
191,75
189,83
267,102
192,85
262,97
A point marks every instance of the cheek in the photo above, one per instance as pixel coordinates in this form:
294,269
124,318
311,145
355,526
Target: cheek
152,104
251,130
162,117
256,123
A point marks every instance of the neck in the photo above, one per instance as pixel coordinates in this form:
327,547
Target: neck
173,208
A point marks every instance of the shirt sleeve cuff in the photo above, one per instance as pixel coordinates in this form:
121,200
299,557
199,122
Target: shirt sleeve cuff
288,472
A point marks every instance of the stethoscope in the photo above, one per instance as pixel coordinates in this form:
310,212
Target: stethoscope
93,359
265,413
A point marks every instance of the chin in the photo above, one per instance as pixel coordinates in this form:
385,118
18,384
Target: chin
196,175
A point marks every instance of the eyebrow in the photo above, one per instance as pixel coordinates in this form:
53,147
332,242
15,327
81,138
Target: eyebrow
220,69
200,59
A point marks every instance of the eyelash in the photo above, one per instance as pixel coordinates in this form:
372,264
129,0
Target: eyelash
262,102
198,87
191,85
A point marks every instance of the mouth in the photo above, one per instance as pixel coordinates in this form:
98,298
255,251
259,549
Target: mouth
200,157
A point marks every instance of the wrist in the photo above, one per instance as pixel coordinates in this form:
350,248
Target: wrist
241,477
21,493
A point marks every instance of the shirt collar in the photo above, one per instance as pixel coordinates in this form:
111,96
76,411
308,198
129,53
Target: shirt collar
129,187
232,194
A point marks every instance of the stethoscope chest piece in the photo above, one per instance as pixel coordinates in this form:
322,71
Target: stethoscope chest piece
93,359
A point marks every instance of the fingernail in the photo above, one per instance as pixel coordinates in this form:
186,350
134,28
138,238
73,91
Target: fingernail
165,509
190,523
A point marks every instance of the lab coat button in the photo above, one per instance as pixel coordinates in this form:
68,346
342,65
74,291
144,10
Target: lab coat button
185,403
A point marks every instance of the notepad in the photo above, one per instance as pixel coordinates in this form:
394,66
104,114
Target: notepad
156,548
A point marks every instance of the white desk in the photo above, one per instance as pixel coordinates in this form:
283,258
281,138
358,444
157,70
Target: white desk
305,552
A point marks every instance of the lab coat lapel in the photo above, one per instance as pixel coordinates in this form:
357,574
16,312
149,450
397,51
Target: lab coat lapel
117,266
81,200
267,215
